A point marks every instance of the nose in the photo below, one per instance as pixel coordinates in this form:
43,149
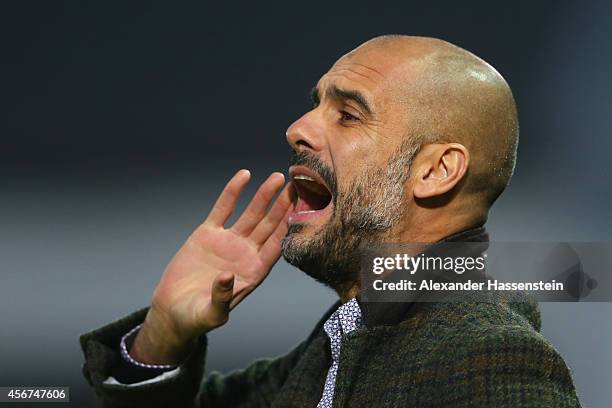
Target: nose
306,133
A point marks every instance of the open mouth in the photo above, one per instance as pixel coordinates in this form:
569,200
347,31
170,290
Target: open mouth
311,196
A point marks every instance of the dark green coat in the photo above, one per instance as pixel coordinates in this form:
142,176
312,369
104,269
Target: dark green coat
466,353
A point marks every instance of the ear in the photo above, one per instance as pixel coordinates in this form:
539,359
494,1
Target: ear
441,168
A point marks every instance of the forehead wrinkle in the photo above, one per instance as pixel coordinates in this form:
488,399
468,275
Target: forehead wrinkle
350,79
356,79
367,68
356,68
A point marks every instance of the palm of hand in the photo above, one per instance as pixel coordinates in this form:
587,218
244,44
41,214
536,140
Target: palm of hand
245,253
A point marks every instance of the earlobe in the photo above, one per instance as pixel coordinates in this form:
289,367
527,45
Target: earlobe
443,168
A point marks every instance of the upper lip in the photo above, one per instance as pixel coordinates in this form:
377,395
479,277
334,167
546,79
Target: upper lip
299,169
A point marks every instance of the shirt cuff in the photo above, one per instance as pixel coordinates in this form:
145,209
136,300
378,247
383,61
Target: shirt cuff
132,373
162,377
127,340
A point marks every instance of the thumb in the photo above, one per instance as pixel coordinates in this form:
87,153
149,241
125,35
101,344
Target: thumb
222,292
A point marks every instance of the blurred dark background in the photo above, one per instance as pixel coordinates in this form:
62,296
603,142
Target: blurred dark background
123,120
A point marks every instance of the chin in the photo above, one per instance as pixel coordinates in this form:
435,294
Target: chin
301,233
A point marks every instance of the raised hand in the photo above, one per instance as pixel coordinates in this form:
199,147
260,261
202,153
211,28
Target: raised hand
214,270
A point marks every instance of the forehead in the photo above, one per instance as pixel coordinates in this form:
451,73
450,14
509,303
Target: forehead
377,73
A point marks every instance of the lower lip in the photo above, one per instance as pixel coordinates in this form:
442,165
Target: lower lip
308,216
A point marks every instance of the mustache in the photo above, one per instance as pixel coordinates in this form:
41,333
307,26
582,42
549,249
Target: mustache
317,165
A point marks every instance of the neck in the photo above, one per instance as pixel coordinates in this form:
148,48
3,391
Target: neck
348,291
429,225
433,230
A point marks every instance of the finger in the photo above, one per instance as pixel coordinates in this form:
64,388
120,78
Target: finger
226,203
269,223
256,209
222,291
271,249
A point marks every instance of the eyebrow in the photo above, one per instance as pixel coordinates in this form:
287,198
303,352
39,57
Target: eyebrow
334,92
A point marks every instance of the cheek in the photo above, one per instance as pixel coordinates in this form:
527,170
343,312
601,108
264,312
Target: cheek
350,158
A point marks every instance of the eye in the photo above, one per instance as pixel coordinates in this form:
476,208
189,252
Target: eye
347,117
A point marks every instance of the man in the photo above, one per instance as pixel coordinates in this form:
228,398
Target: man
409,140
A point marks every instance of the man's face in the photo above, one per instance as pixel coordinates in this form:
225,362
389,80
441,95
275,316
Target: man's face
349,170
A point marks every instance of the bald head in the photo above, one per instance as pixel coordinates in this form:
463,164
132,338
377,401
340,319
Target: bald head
414,139
451,95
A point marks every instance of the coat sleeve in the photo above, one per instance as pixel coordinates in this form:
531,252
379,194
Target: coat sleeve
255,386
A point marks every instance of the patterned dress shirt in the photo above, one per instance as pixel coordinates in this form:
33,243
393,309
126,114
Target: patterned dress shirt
343,321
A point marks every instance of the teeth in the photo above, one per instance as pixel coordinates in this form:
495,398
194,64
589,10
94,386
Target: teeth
303,177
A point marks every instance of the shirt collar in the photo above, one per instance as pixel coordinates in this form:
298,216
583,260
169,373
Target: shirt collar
345,319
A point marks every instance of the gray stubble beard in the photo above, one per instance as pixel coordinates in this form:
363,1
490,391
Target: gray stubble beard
363,214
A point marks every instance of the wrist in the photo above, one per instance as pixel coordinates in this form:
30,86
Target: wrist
126,344
157,342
